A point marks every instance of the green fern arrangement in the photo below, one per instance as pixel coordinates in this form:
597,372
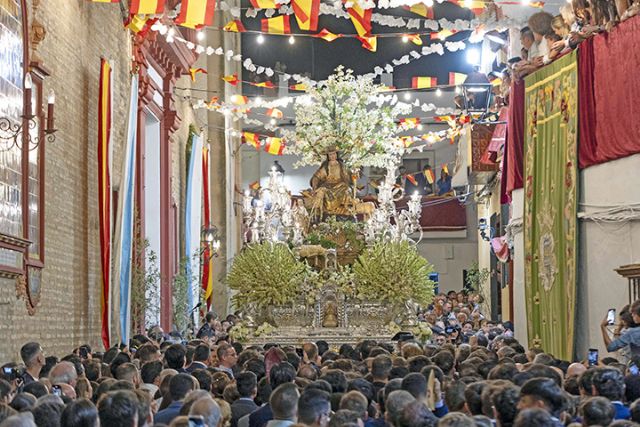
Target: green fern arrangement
266,274
393,273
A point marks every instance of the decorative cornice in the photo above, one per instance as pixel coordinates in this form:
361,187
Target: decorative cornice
14,241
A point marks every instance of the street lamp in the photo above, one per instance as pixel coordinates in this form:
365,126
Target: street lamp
210,240
477,97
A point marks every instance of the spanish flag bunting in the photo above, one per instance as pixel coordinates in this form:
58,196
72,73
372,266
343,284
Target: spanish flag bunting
415,39
537,4
457,78
140,24
105,1
196,13
306,13
274,113
327,35
274,146
234,27
255,185
409,123
406,140
430,176
146,7
442,119
264,4
299,87
239,99
252,139
445,169
194,71
421,9
231,79
369,43
266,84
361,19
277,25
214,100
423,82
442,35
411,179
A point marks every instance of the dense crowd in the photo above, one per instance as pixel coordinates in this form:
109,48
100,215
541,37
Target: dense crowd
472,372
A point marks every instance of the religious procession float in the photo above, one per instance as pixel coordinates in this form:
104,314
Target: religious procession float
325,264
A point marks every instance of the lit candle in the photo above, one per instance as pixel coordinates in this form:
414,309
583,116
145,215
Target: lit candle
28,84
50,103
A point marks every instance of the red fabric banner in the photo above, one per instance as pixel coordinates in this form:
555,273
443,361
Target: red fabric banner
207,282
609,125
104,194
515,138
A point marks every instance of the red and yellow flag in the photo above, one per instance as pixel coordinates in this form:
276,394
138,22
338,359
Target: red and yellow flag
239,99
207,266
194,71
299,87
406,140
412,179
414,38
430,176
273,145
445,169
276,25
140,24
369,43
457,78
410,122
306,13
146,7
443,119
104,195
252,139
421,9
361,19
423,82
274,113
234,27
255,185
266,84
196,13
231,79
327,35
264,4
105,1
442,35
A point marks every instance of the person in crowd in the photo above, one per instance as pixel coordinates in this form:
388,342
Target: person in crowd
284,405
247,386
314,408
118,409
630,339
179,386
609,382
208,409
444,183
227,359
207,330
34,360
201,358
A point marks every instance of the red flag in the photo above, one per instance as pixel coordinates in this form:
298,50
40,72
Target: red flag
412,179
104,195
146,7
327,35
274,113
369,43
421,9
264,4
306,12
207,266
299,86
234,27
196,13
361,19
277,25
423,82
274,146
266,84
252,139
231,79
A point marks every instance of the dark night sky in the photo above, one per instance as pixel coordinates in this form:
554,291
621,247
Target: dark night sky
321,58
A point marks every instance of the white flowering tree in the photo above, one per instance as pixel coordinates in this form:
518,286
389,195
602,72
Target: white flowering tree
352,114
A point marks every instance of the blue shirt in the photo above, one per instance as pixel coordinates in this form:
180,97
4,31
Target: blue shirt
622,412
630,338
169,413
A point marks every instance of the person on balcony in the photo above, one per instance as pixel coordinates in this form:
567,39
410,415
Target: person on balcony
444,184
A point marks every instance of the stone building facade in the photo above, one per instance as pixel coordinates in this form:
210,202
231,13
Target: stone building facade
66,311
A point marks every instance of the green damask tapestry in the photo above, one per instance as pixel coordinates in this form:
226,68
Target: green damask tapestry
551,125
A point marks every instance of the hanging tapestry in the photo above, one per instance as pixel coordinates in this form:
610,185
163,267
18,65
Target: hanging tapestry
550,205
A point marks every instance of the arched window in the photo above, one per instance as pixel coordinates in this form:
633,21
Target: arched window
21,163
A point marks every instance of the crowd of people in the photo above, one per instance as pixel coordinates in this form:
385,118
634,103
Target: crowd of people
472,372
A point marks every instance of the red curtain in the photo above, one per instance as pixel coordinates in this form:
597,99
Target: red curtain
514,151
609,125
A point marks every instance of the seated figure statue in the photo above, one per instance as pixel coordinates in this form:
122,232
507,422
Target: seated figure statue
331,191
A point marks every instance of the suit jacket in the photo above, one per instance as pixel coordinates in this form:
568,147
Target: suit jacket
169,413
622,411
194,366
240,408
261,416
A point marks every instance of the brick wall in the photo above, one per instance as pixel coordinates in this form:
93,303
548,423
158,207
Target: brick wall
79,32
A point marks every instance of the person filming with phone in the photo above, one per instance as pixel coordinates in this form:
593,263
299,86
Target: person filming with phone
629,339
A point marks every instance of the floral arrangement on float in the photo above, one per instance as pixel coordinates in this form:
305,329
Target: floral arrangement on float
349,113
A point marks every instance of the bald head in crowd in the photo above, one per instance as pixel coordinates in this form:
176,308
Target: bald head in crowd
64,373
